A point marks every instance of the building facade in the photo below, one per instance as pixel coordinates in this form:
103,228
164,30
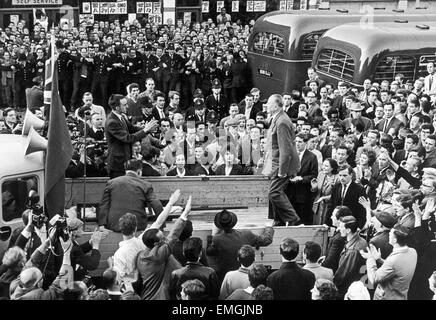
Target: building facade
162,10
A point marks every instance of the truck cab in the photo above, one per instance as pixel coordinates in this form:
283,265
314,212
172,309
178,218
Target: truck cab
19,174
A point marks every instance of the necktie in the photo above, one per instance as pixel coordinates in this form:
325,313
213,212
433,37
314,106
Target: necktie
430,82
217,98
386,125
123,120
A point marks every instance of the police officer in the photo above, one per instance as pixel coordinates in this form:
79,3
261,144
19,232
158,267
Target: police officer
217,101
171,65
25,72
65,70
103,65
121,72
149,65
134,66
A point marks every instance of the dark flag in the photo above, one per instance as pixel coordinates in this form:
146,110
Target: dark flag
59,149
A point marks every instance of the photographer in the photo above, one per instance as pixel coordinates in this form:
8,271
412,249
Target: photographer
95,166
80,261
29,284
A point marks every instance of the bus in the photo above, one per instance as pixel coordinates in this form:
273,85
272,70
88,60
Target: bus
377,54
282,43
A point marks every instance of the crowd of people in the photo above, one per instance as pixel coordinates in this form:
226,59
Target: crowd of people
178,101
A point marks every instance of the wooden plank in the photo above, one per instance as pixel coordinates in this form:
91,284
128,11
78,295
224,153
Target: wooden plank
269,255
246,191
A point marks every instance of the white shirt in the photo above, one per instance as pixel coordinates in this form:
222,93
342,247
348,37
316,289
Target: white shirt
181,174
228,170
247,112
125,258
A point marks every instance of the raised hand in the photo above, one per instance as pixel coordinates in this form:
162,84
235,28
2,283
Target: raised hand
364,202
174,197
187,208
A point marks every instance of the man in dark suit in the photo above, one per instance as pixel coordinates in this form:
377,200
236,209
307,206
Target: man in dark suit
35,95
347,193
291,103
281,164
390,124
298,190
225,245
158,111
339,101
217,101
121,134
128,193
248,108
200,112
290,282
171,66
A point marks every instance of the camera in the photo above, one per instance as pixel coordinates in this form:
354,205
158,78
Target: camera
38,216
61,228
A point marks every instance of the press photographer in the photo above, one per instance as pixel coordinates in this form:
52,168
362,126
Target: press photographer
94,157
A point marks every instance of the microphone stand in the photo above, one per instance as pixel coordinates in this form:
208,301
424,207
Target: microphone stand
84,174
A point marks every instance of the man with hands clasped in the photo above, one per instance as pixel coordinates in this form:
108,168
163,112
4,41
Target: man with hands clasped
394,276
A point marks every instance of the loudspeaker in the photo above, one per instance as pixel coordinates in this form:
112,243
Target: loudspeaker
35,142
31,121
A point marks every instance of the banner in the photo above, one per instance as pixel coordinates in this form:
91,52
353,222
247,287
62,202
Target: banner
140,7
122,7
259,6
205,6
148,7
113,9
250,6
157,8
290,5
104,8
219,6
86,7
235,6
87,18
95,8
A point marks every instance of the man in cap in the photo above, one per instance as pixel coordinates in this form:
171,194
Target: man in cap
100,82
382,222
150,65
200,112
171,68
134,66
217,101
226,244
65,70
393,278
80,260
24,74
355,110
121,71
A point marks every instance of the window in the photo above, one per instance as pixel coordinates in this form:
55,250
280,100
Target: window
390,66
15,192
269,44
336,63
309,43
